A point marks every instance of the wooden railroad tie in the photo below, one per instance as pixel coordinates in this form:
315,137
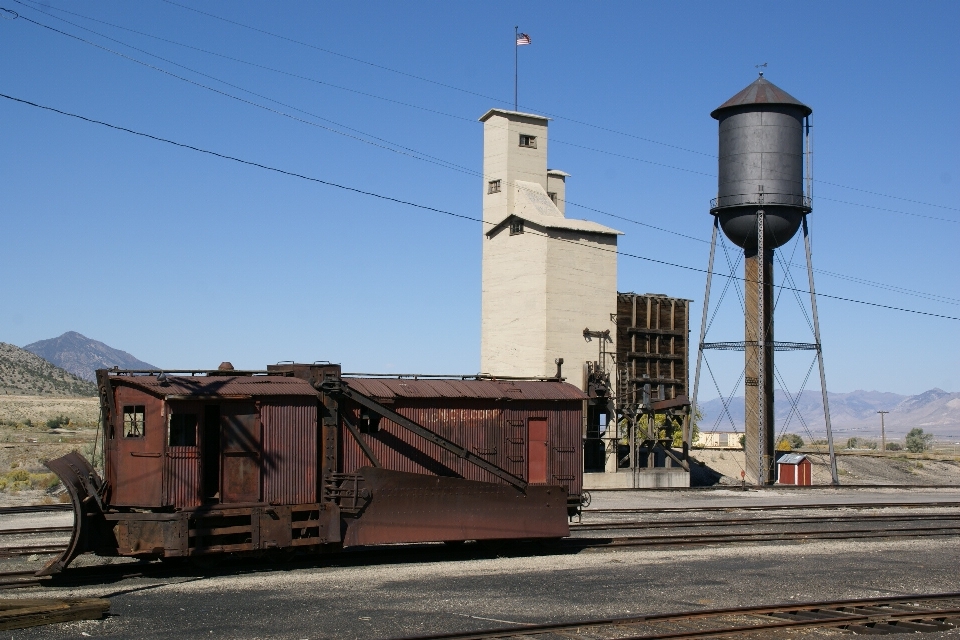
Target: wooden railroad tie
20,613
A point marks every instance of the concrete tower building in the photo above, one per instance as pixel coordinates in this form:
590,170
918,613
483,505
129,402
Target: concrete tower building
546,278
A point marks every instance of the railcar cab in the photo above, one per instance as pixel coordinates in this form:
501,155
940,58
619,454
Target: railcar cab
181,442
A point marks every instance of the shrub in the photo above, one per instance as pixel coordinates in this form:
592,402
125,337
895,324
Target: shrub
59,421
918,441
789,442
894,446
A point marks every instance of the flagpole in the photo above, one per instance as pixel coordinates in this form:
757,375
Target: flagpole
516,48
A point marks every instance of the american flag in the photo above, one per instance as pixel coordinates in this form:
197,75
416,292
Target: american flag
522,38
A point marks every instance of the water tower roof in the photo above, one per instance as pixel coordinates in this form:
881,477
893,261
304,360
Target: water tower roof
761,91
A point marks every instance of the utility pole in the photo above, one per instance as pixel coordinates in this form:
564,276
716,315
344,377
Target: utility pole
883,433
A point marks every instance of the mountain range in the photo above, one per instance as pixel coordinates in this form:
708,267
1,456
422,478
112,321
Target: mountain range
82,356
23,373
852,414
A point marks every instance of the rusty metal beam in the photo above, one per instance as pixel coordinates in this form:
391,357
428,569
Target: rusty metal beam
340,389
360,441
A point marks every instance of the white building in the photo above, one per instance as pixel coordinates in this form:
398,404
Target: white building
546,277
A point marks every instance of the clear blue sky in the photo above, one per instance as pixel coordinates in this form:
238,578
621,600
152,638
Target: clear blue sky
186,260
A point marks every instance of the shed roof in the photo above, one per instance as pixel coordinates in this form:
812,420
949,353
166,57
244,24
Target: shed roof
453,388
220,386
761,91
792,458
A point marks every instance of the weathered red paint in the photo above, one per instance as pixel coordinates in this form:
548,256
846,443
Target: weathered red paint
537,450
242,459
410,507
289,450
495,429
137,462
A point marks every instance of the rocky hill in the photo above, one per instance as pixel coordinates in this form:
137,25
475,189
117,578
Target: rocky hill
23,373
853,414
82,356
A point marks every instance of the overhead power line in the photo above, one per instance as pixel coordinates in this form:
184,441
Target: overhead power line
425,157
413,153
500,100
434,209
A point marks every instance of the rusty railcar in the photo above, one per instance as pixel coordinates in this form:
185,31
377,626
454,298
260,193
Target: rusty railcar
300,457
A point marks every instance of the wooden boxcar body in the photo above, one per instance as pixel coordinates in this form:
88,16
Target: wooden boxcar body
302,457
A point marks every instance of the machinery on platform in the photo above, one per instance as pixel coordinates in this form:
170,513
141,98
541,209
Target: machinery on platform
303,457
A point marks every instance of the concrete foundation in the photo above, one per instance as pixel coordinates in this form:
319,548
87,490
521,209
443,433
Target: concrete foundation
661,478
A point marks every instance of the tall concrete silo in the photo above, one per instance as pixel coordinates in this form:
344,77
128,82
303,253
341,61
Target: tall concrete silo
760,205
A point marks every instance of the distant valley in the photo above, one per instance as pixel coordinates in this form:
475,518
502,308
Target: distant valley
852,414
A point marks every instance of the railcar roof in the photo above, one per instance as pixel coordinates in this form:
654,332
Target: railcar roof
450,388
220,386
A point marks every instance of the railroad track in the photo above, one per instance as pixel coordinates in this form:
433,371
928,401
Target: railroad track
36,508
781,507
782,520
427,552
34,530
887,615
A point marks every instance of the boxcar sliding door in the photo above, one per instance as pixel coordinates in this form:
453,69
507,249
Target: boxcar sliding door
240,470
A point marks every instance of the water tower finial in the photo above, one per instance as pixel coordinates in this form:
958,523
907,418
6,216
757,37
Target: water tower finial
760,68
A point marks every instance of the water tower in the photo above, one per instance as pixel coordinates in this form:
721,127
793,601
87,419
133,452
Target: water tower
760,205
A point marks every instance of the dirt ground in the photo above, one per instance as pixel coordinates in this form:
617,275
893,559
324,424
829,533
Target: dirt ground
724,466
39,409
26,441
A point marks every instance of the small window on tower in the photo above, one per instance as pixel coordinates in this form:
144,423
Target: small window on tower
493,186
516,226
528,141
553,196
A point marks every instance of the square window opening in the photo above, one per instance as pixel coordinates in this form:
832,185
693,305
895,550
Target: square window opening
133,421
493,186
553,196
183,430
527,141
516,227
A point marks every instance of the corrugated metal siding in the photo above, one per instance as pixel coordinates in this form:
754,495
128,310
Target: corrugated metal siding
182,477
289,451
451,388
495,430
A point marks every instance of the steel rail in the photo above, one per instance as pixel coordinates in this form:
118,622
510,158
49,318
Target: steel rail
759,536
725,522
35,530
43,549
837,612
35,508
779,507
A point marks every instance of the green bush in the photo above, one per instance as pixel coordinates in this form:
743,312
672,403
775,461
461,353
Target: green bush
59,421
789,442
894,446
918,441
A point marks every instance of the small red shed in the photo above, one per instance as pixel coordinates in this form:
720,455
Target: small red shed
794,468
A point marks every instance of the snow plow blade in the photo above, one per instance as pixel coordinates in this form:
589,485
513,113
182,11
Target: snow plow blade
90,530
